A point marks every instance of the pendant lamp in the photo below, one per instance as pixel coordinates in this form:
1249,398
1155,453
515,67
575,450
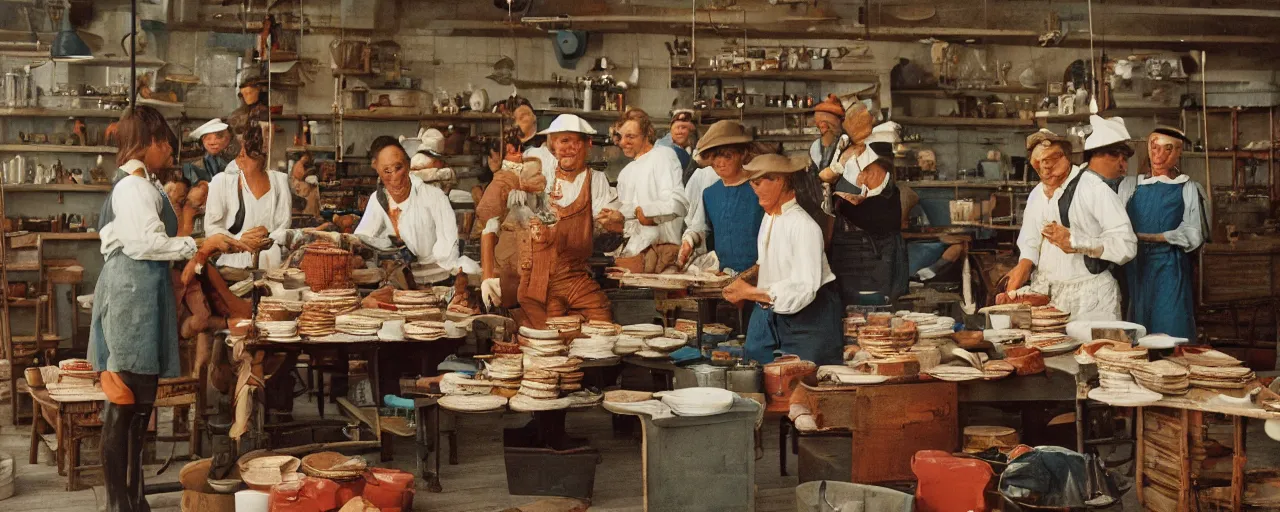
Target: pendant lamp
67,45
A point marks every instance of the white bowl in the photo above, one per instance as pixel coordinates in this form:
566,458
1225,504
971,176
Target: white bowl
699,401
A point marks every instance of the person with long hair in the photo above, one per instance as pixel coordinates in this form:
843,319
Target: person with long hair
133,338
652,197
249,201
798,309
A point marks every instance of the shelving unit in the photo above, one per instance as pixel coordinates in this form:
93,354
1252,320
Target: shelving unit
55,148
965,121
59,188
791,75
49,112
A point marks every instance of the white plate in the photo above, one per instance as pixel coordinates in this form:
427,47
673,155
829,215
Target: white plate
1160,341
699,401
1125,398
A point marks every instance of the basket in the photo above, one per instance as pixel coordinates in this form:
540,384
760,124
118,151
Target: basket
333,465
326,266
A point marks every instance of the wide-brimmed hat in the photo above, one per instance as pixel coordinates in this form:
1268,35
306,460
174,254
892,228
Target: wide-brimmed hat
773,163
885,132
1106,131
214,125
722,133
569,123
1044,136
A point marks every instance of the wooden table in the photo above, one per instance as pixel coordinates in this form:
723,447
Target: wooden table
72,419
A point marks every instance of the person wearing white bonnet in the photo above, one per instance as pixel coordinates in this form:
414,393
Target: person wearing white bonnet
1086,232
214,138
555,280
1167,211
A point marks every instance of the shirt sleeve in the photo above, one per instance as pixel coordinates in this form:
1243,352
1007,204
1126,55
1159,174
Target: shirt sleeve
282,216
373,226
802,252
142,233
216,209
696,219
603,194
1190,232
445,249
1115,237
672,203
1029,237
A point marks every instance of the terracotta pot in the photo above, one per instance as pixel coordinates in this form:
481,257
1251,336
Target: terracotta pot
781,378
1028,361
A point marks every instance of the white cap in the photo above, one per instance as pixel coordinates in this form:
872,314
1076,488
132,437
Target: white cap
1105,132
568,123
884,132
420,161
432,140
214,125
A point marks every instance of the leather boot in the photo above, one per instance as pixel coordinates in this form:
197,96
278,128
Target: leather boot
116,422
137,443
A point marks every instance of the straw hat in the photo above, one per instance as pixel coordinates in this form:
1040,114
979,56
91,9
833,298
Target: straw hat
214,125
722,133
772,163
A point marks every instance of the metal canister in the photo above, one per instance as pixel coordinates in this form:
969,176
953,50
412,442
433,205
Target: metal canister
746,379
709,376
11,89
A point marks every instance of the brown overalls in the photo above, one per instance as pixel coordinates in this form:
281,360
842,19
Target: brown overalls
507,253
555,279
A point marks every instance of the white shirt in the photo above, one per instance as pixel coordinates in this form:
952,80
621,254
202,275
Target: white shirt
548,160
136,230
853,166
427,224
274,211
696,220
652,183
793,264
1098,219
815,153
1189,234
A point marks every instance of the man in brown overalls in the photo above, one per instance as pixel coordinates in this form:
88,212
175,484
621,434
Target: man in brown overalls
555,279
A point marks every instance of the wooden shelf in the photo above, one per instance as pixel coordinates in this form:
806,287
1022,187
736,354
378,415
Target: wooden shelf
374,116
55,148
951,93
27,187
1255,154
311,149
787,138
969,184
123,61
731,113
68,236
1123,112
796,75
593,115
964,121
48,112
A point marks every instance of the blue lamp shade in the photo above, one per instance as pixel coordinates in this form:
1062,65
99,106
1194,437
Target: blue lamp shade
67,45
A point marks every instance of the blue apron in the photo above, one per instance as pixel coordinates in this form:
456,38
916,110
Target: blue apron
815,333
1160,286
211,165
135,315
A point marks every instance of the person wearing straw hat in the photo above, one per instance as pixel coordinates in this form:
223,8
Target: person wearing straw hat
554,277
827,116
652,198
728,213
867,251
682,138
1084,229
215,139
1167,211
798,309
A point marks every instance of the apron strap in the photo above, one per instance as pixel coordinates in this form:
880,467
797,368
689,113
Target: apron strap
238,225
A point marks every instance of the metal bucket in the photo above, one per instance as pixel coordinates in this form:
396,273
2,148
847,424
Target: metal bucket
746,379
709,376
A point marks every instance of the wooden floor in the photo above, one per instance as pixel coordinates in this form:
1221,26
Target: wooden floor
477,484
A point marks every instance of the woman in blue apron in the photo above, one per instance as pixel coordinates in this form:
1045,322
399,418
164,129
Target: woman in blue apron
1167,215
797,306
133,339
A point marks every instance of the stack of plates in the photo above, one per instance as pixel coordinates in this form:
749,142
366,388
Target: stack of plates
1220,377
1165,377
332,304
951,373
505,366
526,403
701,401
273,309
278,331
1117,359
540,334
890,341
595,347
628,344
419,312
472,403
380,314
568,326
643,331
596,328
358,325
540,384
415,298
457,383
542,347
1049,319
424,330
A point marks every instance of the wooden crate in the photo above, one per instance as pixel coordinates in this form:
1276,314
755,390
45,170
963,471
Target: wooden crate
1240,271
890,423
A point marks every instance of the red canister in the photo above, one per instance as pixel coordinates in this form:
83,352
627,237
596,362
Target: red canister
390,489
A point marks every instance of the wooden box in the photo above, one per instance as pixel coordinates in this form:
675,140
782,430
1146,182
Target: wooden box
1240,271
893,422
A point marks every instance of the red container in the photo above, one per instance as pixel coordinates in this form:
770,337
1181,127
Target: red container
391,490
950,484
309,494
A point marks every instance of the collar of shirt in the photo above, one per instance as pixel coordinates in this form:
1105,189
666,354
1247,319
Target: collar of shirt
133,165
1147,180
855,166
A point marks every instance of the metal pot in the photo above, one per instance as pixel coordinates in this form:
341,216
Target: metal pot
746,379
709,376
